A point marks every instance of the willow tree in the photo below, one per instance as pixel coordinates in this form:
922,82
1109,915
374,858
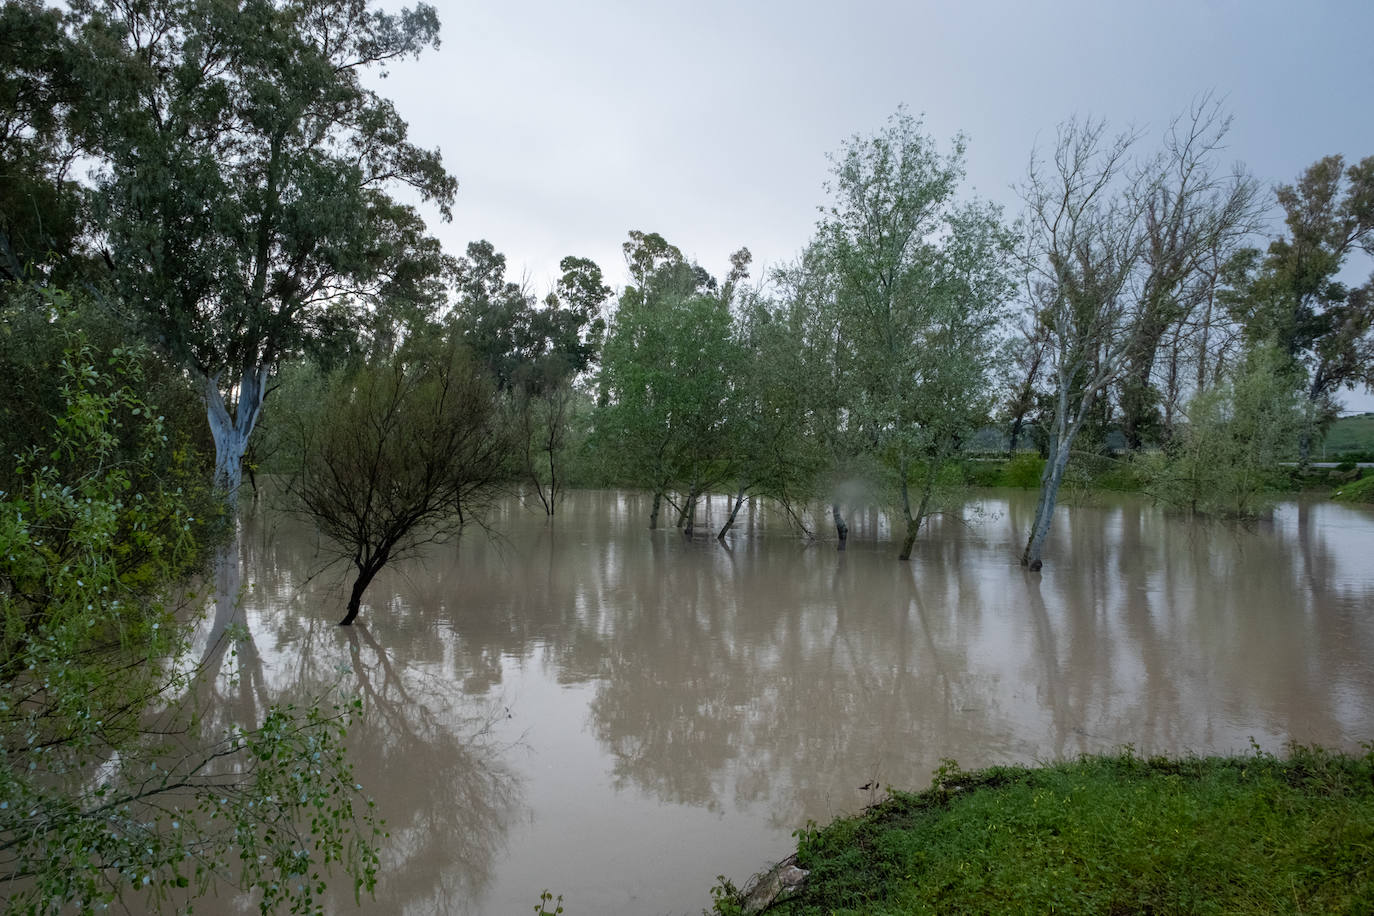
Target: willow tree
245,202
922,280
665,375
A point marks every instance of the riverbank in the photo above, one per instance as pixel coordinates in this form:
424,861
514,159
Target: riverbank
1109,834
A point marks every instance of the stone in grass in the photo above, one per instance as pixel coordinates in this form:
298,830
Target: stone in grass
772,886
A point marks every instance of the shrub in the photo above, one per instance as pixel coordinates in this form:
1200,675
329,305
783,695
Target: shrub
1024,470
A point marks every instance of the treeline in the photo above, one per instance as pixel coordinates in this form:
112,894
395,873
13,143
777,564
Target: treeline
240,219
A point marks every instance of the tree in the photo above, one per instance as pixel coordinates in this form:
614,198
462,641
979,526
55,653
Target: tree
808,290
921,285
1294,297
110,790
244,203
1084,249
770,450
397,456
41,209
1194,216
1236,434
665,375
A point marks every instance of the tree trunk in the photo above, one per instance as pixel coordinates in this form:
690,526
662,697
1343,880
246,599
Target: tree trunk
553,483
734,511
230,433
367,571
1050,479
689,512
653,514
911,525
841,529
913,522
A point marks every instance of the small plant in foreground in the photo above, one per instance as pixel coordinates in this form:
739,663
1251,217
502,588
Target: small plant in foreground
545,899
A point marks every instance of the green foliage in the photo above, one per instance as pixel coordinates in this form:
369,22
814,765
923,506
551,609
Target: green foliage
667,371
920,285
37,329
1237,433
40,204
1252,834
1293,297
1348,437
108,790
1024,470
1360,491
547,898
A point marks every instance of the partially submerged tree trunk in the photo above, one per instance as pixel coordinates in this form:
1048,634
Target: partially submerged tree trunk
1050,479
734,512
687,519
367,567
913,520
841,529
231,432
653,513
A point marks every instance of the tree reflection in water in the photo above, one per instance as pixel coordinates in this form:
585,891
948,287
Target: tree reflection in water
762,684
425,750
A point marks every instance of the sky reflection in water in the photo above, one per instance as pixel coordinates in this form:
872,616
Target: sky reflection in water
620,715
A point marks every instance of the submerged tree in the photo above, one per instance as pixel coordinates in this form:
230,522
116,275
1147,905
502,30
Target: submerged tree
397,456
1085,245
665,375
534,350
1236,434
921,284
244,205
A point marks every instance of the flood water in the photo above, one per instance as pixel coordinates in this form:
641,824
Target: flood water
621,715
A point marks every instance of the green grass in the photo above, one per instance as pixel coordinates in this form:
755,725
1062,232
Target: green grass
1360,491
1111,835
1348,436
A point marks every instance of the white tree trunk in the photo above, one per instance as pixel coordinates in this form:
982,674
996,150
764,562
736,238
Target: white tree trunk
231,431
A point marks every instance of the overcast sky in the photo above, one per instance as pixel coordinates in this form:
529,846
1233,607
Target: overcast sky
568,124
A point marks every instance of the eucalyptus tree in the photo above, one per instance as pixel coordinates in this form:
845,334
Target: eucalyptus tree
922,282
534,350
245,199
41,213
569,327
1294,296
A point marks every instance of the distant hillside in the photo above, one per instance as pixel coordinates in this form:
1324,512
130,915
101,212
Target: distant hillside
1347,435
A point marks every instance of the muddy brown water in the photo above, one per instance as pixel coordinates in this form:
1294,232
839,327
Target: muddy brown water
620,715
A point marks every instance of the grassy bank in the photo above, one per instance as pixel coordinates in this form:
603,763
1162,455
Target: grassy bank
1119,834
1360,491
